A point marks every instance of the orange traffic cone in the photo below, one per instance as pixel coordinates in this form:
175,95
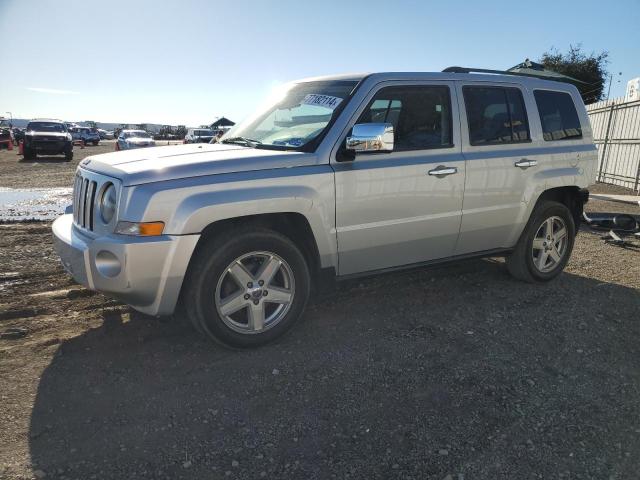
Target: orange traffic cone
10,146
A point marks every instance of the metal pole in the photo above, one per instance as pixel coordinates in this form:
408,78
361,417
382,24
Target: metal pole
606,141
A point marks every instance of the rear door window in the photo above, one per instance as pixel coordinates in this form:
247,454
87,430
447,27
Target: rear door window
558,115
495,115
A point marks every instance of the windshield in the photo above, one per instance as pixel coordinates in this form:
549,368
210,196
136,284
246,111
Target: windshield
203,133
296,118
46,127
136,135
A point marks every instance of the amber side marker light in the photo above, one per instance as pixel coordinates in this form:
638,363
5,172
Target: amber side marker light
140,229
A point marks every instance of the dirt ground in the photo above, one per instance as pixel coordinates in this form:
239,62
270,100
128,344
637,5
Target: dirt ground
47,171
454,373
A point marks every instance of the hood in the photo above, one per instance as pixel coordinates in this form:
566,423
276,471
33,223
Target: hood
157,164
139,140
47,134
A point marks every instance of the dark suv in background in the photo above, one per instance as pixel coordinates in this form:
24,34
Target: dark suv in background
47,137
6,134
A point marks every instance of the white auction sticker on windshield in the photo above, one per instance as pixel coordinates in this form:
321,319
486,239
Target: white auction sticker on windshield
326,101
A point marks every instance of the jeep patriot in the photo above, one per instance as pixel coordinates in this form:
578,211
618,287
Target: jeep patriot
338,176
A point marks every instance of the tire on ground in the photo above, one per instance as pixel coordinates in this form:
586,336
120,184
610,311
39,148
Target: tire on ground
208,265
520,263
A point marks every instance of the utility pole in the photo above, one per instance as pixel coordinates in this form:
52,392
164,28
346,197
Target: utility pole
610,82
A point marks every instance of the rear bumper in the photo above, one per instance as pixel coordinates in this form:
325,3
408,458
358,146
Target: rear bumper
146,273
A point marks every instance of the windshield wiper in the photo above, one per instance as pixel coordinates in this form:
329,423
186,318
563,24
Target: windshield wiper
242,141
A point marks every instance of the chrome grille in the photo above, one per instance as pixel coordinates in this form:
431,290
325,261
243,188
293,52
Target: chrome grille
84,196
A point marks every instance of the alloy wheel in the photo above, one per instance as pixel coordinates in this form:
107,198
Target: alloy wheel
255,292
549,244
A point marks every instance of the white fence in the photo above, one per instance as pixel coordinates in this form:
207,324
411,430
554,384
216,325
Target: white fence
616,132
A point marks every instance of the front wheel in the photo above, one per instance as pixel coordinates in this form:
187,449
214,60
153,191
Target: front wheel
29,154
245,288
545,245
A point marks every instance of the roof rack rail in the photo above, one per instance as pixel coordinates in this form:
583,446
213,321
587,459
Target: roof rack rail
554,76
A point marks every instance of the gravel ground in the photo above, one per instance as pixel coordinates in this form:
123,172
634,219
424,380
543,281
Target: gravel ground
457,372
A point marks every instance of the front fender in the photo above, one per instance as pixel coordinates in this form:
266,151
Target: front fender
200,210
188,206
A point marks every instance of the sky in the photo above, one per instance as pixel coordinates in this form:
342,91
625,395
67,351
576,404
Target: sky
188,62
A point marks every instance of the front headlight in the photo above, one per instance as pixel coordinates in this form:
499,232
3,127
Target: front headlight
108,203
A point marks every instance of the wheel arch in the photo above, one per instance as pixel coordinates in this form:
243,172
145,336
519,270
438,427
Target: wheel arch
292,225
572,197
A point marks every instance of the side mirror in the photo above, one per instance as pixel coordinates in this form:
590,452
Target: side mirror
371,137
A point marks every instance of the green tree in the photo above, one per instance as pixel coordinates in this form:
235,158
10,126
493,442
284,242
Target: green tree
590,69
181,131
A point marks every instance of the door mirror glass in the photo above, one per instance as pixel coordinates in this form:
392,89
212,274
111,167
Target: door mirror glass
371,137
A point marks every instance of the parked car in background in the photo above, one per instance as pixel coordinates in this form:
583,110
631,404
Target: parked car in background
18,135
217,135
47,137
341,176
129,139
105,134
85,134
6,134
198,135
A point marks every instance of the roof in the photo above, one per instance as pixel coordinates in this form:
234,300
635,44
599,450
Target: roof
53,120
222,122
453,73
537,70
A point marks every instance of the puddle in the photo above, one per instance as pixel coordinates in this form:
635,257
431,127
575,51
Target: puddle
33,203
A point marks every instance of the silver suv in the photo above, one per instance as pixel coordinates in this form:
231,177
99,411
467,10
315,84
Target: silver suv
339,176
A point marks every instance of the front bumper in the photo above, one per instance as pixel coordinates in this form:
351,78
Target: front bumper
133,146
144,272
49,147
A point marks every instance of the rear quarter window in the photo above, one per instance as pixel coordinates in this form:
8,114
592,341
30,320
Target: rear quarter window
558,115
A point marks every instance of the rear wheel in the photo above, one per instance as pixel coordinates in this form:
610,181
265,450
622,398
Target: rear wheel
545,245
246,288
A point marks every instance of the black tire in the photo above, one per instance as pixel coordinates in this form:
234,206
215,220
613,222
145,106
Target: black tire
209,264
521,262
68,155
28,154
95,143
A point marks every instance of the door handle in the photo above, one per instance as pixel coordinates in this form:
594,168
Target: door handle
441,171
524,163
